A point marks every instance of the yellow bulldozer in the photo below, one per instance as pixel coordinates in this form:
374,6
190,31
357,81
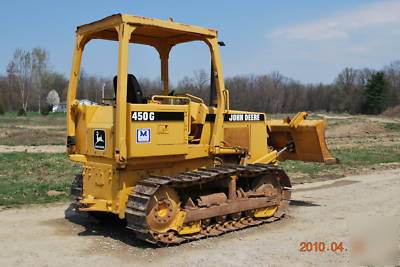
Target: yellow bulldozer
173,167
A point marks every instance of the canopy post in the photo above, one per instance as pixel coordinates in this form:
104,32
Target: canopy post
164,51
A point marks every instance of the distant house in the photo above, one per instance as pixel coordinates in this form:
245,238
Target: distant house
62,107
87,102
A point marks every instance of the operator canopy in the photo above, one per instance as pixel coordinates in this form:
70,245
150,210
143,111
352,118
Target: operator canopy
148,31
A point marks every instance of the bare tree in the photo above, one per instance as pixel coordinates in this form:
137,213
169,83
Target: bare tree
20,73
39,69
348,90
392,73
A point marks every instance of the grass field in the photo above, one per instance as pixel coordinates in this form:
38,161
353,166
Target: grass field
362,143
393,126
353,160
25,178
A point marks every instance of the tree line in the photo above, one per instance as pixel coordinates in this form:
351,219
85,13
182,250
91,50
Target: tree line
30,77
355,91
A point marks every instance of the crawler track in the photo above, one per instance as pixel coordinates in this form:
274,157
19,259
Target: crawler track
139,201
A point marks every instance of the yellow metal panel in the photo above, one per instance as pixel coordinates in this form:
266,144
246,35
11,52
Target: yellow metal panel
265,212
110,21
258,140
81,128
166,137
257,148
102,118
237,136
100,186
194,227
78,158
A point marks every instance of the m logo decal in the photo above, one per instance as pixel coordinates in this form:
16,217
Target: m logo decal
143,135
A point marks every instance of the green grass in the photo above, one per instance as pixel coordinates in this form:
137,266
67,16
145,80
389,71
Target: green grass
25,178
350,159
35,114
52,119
393,126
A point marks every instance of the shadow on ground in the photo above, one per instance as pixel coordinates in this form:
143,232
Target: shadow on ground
106,225
109,225
301,203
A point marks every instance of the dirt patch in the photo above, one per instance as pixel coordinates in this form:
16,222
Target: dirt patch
3,133
32,136
336,117
34,149
365,141
384,119
334,184
359,129
38,130
41,127
62,227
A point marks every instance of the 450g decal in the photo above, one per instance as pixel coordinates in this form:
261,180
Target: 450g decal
143,116
157,116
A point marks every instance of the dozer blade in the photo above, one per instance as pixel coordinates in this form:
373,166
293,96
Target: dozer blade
300,139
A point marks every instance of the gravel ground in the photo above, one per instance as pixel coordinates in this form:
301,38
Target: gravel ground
54,235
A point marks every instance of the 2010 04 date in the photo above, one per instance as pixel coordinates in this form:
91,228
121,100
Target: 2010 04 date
321,247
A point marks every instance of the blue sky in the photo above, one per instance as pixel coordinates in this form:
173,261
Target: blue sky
310,41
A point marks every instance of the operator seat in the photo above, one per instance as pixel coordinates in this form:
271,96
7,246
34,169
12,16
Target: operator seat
134,92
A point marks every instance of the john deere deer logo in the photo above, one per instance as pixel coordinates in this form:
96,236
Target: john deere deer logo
99,139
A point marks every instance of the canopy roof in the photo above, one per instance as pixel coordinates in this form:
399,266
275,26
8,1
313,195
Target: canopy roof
148,31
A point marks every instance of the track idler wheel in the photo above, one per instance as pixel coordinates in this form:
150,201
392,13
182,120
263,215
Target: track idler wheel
164,211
